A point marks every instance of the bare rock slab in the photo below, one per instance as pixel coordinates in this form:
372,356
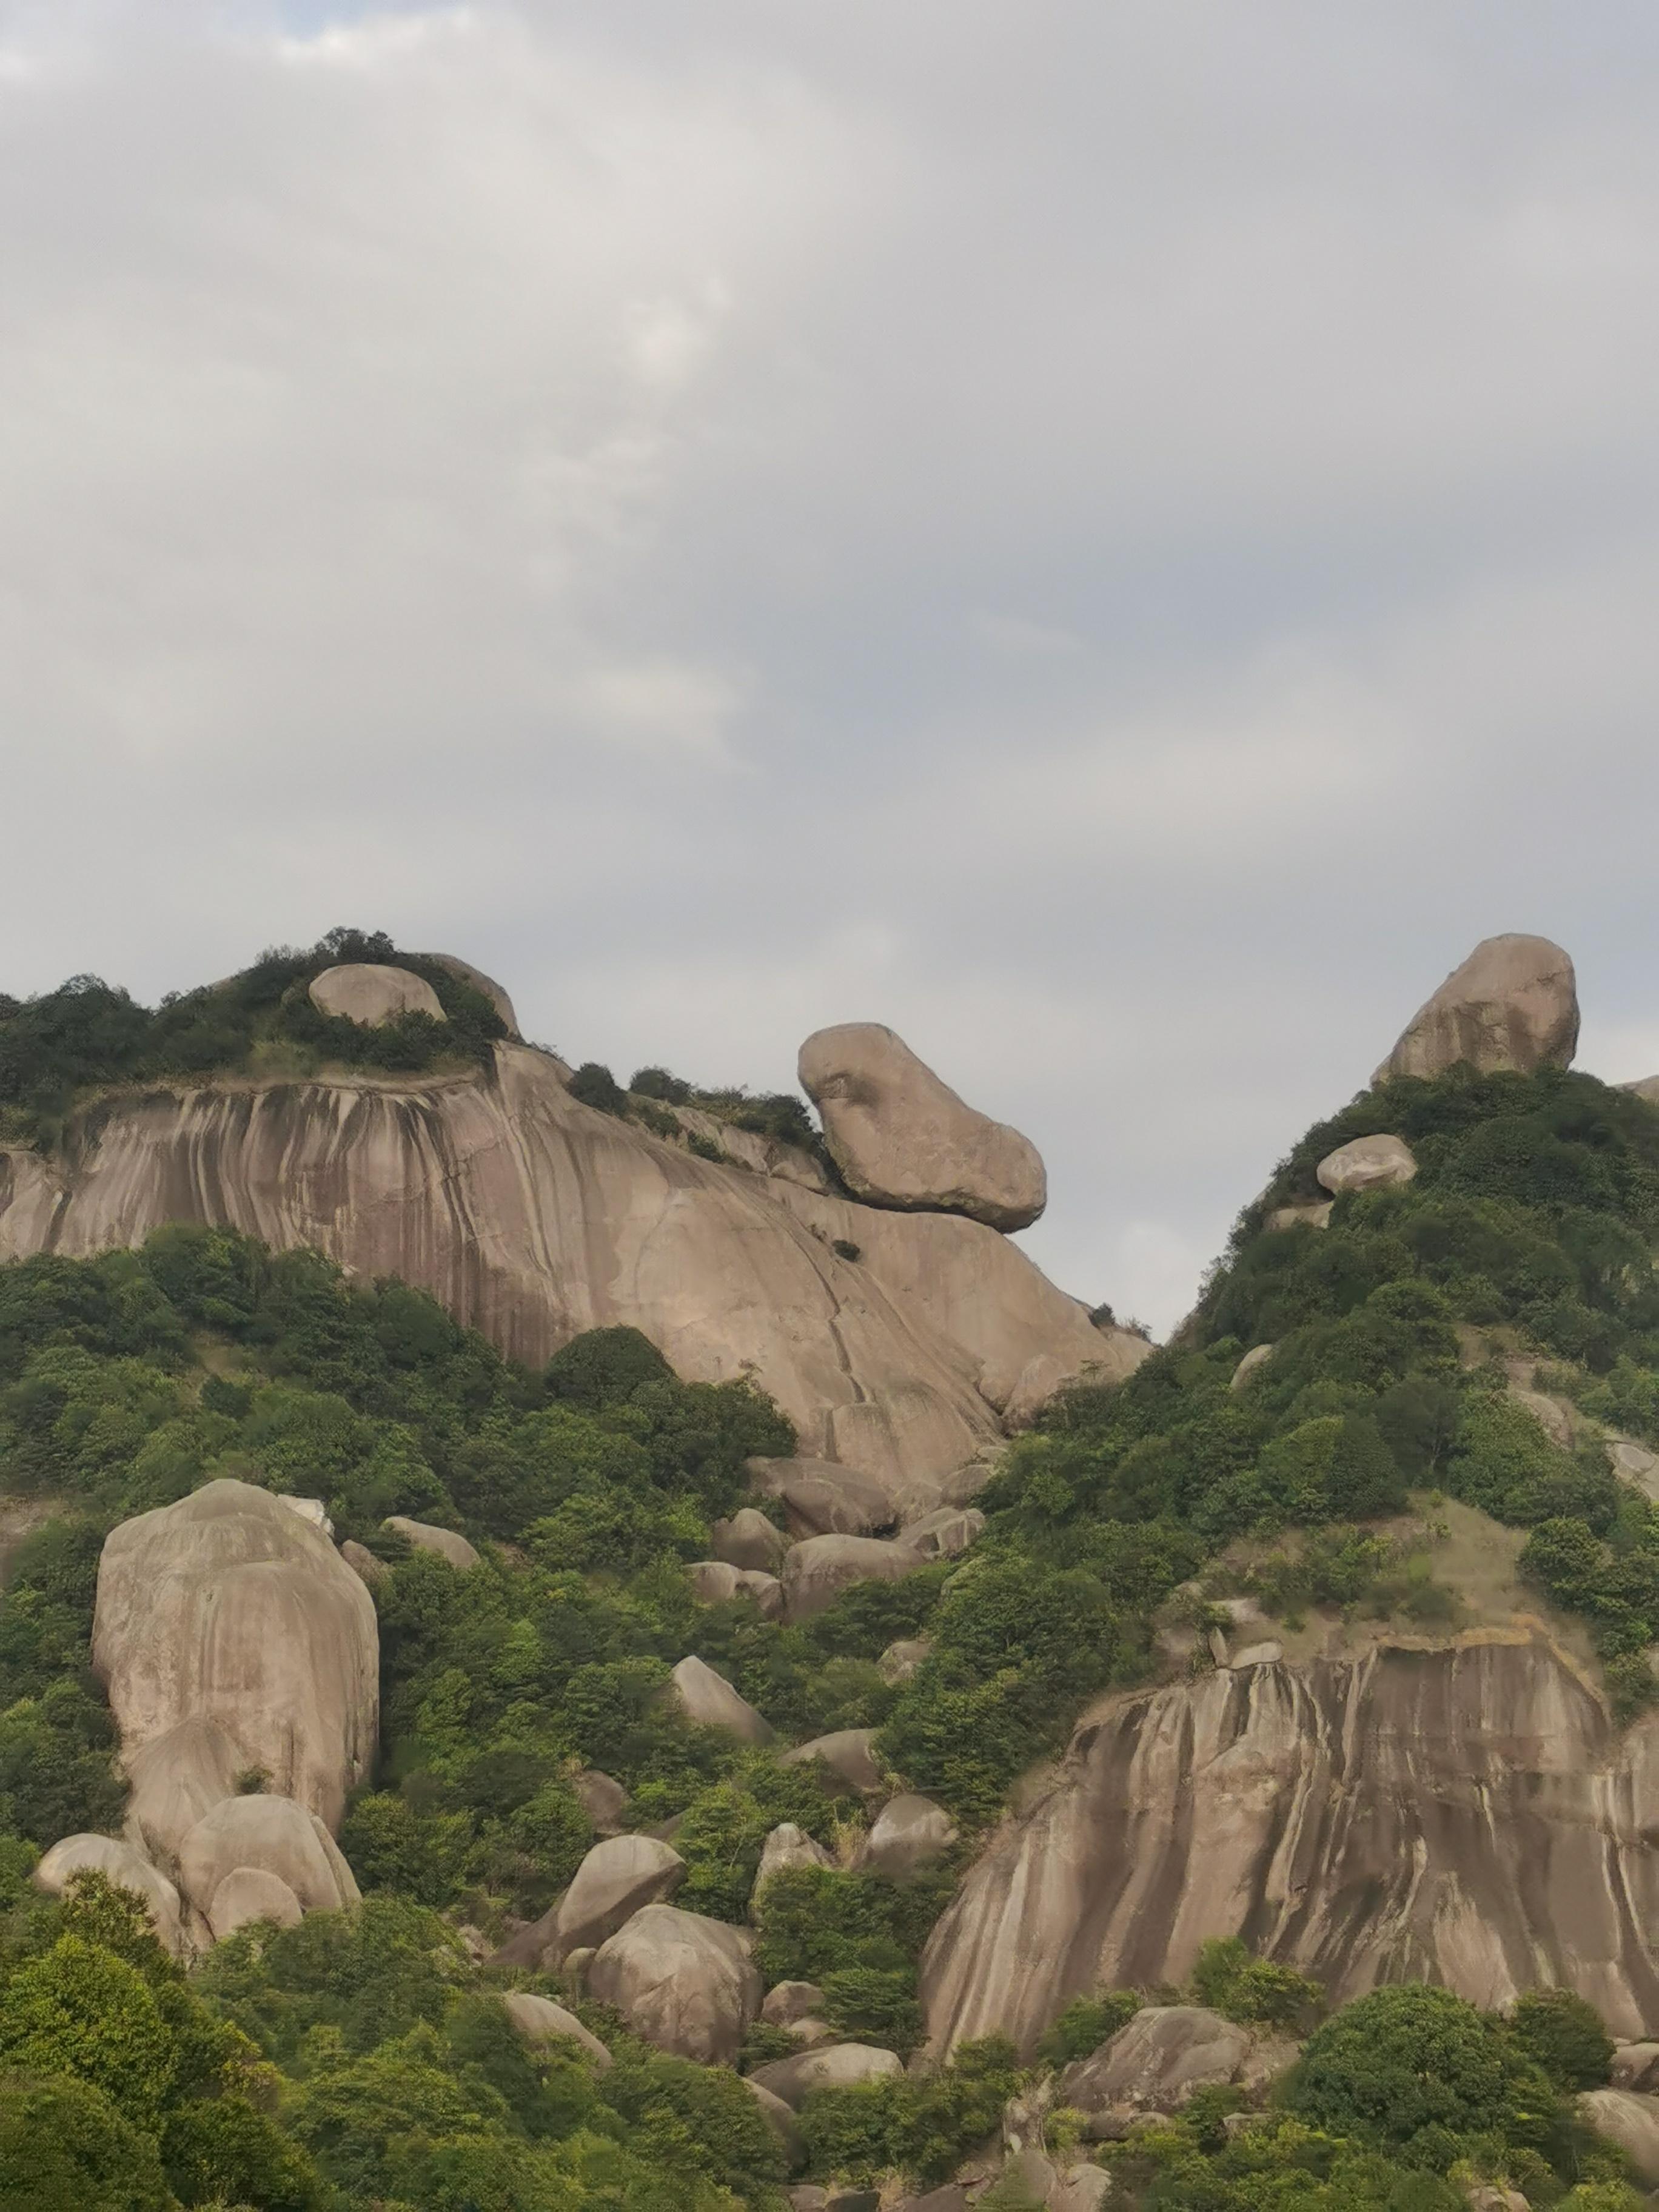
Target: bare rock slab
902,1138
1513,1004
1156,2060
681,1982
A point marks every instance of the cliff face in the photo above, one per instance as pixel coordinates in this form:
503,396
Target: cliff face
1465,1816
533,1218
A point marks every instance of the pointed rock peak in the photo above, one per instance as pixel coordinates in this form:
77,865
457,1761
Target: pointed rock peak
902,1138
1513,1004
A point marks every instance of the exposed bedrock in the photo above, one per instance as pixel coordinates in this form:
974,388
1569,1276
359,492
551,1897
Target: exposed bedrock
1465,1815
533,1218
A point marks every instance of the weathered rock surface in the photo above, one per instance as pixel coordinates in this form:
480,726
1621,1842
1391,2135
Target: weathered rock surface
367,992
444,1543
1366,1164
1252,1364
789,2002
1636,2066
250,1893
944,1533
1464,1815
1083,2188
1513,1004
749,1540
787,1845
539,2021
829,2066
709,1699
849,1754
602,1798
822,1499
1630,2121
485,986
900,1660
231,1635
268,1835
124,1866
1156,2061
817,1573
532,1218
715,1583
910,1832
1307,1213
782,2119
618,1878
363,1563
681,1982
902,1138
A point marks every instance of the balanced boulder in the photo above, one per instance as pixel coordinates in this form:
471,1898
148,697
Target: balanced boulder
708,1699
817,1573
364,991
540,2021
1513,1004
226,1609
902,1138
826,2066
618,1878
125,1866
682,1982
1366,1164
248,1894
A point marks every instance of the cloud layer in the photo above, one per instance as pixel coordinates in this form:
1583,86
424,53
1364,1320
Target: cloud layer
1118,541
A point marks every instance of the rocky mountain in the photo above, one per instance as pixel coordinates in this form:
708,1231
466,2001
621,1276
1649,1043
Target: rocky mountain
632,1646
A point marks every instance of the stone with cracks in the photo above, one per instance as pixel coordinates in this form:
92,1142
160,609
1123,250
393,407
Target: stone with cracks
681,1982
1513,1004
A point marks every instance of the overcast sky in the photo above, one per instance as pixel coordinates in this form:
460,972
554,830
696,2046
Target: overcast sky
1118,539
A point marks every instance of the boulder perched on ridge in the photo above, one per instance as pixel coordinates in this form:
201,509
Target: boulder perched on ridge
709,1699
682,1982
369,993
1366,1164
902,1138
1513,1004
618,1878
475,978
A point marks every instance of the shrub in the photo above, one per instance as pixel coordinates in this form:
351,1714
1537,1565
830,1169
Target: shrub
1085,2023
1564,2037
593,1084
1250,1990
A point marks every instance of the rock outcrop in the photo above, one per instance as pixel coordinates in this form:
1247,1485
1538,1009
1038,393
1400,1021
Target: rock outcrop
1630,2121
681,1982
231,1637
820,1499
713,1582
902,1138
532,1218
1465,1815
749,1541
1513,1004
366,993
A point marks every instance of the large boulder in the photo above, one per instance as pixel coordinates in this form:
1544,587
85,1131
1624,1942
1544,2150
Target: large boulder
602,1798
748,1540
681,1982
1157,2061
848,1753
1513,1004
1630,2121
125,1866
1366,1164
787,1845
902,1139
229,1633
713,1581
910,1832
540,2021
708,1699
944,1533
817,1573
248,1894
782,2119
272,1835
366,993
820,1499
826,2066
618,1878
787,2002
426,1536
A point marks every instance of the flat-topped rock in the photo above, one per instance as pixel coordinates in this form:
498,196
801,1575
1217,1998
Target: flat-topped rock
709,1699
1366,1164
1513,1004
902,1138
426,1536
365,991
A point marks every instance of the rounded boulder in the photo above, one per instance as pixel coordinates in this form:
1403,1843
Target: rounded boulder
617,1879
681,1982
249,1894
1366,1164
274,1836
1513,1004
364,991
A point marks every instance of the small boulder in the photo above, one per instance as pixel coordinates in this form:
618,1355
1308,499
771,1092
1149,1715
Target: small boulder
715,1583
817,1573
539,2022
849,1754
365,991
749,1540
1630,2121
1156,2061
1252,1364
363,1563
789,2002
902,1138
603,1799
821,1498
900,1660
910,1832
277,1836
1367,1163
1513,1004
1307,1214
681,1982
248,1894
783,2117
945,1533
787,1845
613,1882
447,1543
709,1699
828,2066
1081,2189
125,1867
1636,2066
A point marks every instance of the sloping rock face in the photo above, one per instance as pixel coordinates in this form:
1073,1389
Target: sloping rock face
1513,1004
533,1218
1464,1815
230,1634
902,1138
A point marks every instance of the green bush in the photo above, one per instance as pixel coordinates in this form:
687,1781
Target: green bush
1085,2023
1564,2037
1250,1990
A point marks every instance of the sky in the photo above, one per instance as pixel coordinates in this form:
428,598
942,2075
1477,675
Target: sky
1116,537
